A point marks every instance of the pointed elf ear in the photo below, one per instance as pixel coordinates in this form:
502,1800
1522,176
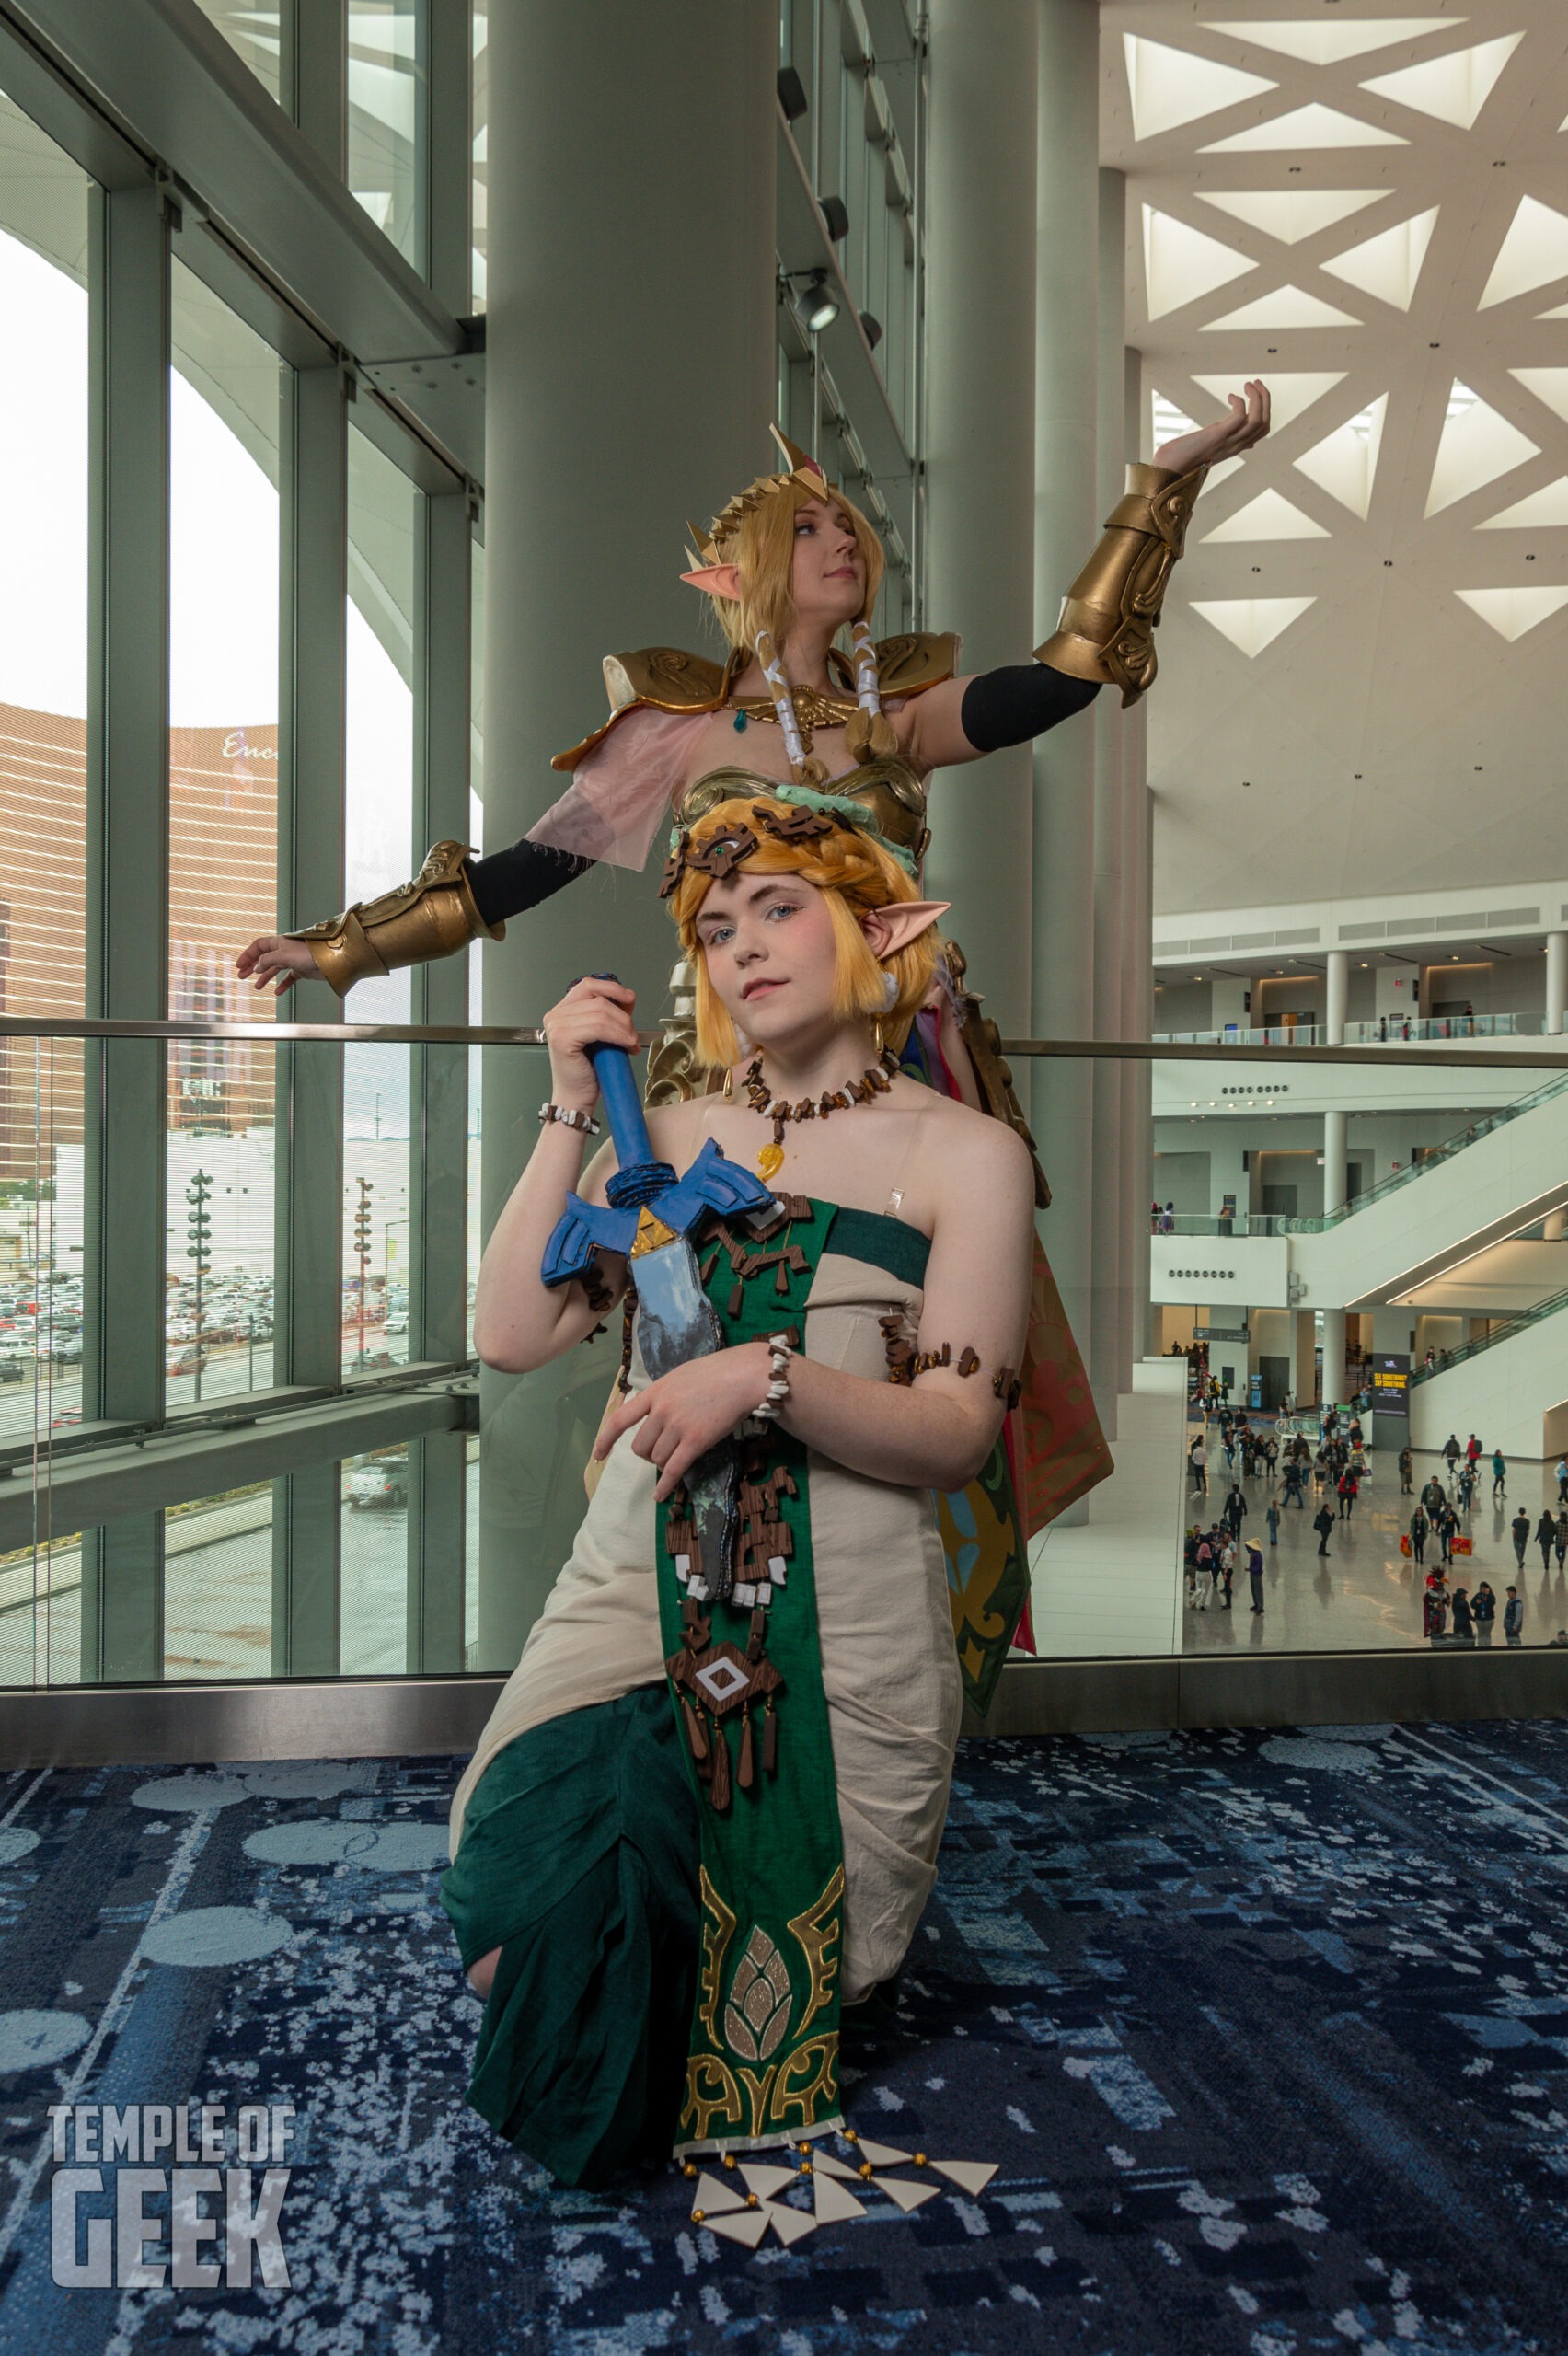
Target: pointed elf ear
894,928
718,580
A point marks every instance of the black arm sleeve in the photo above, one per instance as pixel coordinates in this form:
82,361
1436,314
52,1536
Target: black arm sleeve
520,877
1022,700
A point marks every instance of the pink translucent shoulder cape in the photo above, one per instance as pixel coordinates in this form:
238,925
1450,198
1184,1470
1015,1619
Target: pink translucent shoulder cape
621,793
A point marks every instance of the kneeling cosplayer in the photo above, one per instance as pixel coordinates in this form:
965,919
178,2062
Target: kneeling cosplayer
705,1814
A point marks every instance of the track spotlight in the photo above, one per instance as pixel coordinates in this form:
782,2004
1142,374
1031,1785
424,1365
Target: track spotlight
816,304
834,217
871,328
791,93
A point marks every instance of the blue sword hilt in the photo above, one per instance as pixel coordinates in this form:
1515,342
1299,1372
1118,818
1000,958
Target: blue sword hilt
712,1184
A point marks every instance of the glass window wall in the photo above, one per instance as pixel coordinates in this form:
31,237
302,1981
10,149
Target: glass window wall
388,143
386,528
227,395
254,34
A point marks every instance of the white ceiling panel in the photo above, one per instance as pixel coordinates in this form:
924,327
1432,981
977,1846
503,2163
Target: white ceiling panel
1376,705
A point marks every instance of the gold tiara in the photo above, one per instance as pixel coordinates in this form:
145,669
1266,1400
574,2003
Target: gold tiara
803,470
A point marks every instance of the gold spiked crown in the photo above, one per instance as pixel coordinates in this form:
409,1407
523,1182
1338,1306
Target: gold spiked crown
712,546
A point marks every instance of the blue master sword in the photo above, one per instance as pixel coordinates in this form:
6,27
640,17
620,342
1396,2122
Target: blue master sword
650,1220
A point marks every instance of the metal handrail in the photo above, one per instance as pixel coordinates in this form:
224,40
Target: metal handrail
1504,1331
1437,1157
457,1035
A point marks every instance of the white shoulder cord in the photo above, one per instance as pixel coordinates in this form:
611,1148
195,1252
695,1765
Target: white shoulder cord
784,705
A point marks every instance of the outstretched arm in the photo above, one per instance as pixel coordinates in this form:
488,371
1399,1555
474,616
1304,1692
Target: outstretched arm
1103,635
456,897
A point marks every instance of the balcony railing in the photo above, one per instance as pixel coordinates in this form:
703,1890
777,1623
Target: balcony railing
1504,1331
1385,1030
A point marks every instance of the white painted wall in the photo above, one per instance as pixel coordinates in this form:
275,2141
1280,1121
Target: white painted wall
1112,1587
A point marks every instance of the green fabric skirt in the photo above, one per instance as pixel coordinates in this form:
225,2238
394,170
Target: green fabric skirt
579,1861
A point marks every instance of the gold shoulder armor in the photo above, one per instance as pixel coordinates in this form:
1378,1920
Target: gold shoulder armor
920,659
657,678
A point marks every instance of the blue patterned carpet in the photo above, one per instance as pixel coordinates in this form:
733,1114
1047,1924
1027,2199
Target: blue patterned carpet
1269,2034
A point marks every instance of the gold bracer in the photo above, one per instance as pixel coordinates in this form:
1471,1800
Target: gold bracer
1109,615
433,916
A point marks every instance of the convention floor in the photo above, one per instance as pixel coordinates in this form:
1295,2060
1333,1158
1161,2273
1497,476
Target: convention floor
1367,1593
1267,2034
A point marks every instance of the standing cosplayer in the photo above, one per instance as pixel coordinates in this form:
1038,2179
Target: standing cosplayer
706,1811
790,566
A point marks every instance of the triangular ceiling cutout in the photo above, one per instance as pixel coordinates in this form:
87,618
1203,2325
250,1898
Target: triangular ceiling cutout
1455,87
1548,385
1312,126
1389,264
1477,445
1331,44
1292,214
1289,393
1288,307
1560,311
1270,516
1541,510
1181,263
1251,623
1534,252
1170,86
1513,612
1345,463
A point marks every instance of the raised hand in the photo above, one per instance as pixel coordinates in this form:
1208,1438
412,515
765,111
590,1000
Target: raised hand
1226,438
593,1014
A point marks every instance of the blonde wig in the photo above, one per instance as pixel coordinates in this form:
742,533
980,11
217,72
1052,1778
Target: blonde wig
763,549
855,874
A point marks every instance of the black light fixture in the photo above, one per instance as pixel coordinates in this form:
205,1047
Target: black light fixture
791,93
834,217
816,304
871,328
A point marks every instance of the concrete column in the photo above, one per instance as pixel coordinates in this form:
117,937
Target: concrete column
1333,1357
631,182
979,462
1066,525
1335,1160
1556,982
1112,1242
1337,996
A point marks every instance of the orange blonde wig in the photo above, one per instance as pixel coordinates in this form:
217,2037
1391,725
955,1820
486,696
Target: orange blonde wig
855,874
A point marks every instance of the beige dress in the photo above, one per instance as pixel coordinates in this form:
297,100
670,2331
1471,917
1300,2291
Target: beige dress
890,1671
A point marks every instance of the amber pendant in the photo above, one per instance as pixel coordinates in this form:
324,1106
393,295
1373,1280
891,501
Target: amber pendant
771,1161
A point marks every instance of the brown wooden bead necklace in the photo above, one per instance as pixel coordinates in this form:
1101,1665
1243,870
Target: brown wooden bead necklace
873,1081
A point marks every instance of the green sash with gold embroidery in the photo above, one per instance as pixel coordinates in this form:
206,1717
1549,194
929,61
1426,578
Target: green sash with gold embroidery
763,2066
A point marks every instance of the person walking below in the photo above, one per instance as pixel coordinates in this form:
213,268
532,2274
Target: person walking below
1447,1524
1205,1575
1234,1509
1546,1537
1451,1452
1499,1473
1432,1497
1226,1571
1407,1467
1322,1522
1272,1518
1348,1486
1514,1618
1562,1536
1563,1479
1464,1624
1198,1458
1255,1572
1520,1526
1483,1604
1472,1450
1418,1535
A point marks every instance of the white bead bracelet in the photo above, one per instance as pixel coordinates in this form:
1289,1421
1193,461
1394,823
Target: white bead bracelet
569,1117
780,1351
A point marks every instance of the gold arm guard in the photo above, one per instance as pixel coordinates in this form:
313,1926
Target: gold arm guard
433,916
1109,615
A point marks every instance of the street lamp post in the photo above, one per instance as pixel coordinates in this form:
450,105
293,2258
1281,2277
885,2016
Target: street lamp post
361,1252
199,1249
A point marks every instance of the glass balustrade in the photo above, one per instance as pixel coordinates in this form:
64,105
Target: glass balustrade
320,1495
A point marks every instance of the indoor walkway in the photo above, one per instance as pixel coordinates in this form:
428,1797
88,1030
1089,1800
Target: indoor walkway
1266,2031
